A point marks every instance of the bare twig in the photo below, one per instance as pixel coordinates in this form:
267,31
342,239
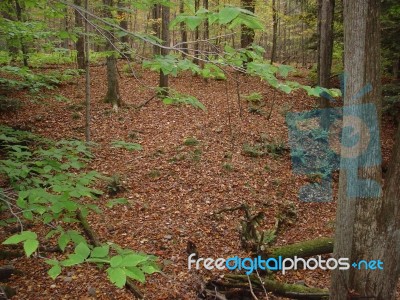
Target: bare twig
251,288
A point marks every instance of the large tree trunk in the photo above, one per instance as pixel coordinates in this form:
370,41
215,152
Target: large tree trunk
165,38
80,46
112,95
367,223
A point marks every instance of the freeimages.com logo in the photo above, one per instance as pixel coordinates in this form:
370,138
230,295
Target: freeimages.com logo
280,264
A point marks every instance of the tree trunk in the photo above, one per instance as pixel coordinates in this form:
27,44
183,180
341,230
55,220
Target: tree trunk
247,34
165,38
325,46
367,224
123,23
196,35
156,15
206,30
18,9
80,44
112,95
87,74
184,37
274,30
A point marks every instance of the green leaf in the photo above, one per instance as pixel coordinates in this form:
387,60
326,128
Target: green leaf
149,269
133,260
14,239
116,261
100,252
193,22
83,250
28,215
30,246
63,241
76,237
135,273
52,262
17,238
117,276
227,14
54,271
73,259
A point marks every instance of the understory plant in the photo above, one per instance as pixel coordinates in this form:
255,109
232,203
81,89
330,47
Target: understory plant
50,186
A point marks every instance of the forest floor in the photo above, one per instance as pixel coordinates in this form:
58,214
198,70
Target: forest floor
175,189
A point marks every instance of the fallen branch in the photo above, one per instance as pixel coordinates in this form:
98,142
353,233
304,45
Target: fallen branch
294,291
145,103
96,242
302,249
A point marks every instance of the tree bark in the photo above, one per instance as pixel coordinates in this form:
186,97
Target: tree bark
165,37
196,35
274,30
80,44
206,30
112,95
247,34
366,227
325,46
18,9
156,15
184,37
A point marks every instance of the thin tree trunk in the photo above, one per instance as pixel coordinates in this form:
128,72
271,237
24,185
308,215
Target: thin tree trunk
87,75
165,37
156,15
274,30
325,45
123,23
112,95
80,47
206,30
196,35
247,34
18,9
184,37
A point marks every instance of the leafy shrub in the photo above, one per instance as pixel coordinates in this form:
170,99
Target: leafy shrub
253,97
49,183
177,99
115,185
32,81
